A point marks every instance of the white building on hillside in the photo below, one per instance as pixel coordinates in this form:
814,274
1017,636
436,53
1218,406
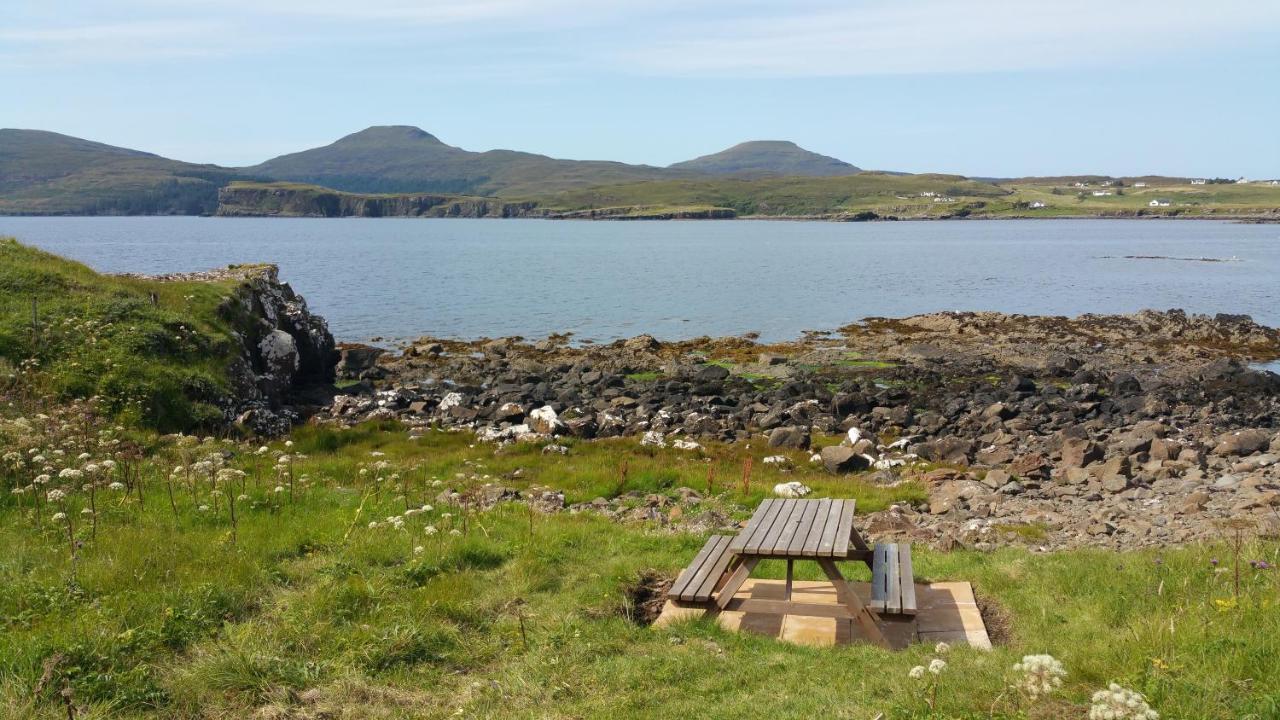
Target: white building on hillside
1139,184
1037,205
1199,181
1101,193
1158,203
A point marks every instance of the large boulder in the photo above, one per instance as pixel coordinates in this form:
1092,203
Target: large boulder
841,459
1078,453
792,436
1242,442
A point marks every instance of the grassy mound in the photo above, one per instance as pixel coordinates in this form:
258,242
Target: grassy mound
153,353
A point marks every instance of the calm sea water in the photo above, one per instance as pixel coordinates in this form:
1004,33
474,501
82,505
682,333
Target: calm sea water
399,278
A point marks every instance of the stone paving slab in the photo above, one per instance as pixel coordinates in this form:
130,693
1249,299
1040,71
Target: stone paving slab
947,611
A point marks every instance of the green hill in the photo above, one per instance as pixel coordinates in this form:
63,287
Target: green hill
403,159
47,173
767,157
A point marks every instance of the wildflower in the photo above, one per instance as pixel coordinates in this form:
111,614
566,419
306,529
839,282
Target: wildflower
264,450
1213,562
56,495
90,469
916,672
288,443
455,531
59,517
1118,703
86,512
83,457
431,530
279,489
109,464
1041,675
117,486
373,525
427,508
242,498
937,665
70,474
942,648
203,508
418,550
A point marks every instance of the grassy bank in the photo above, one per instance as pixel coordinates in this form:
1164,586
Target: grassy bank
153,353
300,608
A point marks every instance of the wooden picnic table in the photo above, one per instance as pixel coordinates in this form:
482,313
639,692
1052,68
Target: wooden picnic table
817,530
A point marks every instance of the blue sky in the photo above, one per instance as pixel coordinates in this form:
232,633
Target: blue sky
983,87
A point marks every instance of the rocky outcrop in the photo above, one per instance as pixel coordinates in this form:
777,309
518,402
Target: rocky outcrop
282,348
282,200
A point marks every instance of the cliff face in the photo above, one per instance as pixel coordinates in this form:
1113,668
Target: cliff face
305,201
280,348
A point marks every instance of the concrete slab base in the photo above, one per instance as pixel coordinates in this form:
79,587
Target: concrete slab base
947,611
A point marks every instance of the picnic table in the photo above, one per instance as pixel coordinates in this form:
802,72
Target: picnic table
813,530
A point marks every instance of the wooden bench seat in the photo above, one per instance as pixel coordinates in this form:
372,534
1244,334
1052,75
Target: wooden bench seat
893,588
698,582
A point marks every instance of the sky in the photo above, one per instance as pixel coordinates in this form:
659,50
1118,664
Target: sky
988,88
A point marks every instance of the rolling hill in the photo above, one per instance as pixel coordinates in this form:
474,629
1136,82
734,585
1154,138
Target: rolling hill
400,159
767,157
47,173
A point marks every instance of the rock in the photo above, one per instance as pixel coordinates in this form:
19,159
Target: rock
791,436
840,459
555,450
781,461
686,444
711,374
642,343
279,352
772,359
1115,483
355,359
950,449
1078,453
791,490
545,420
653,438
1242,442
509,412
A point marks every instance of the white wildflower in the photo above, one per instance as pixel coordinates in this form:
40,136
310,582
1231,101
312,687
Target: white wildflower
203,508
279,489
70,474
431,530
1041,675
916,672
942,648
937,665
56,495
117,486
455,531
59,517
373,525
418,550
242,498
1118,703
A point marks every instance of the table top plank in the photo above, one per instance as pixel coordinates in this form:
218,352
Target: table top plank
810,547
795,543
846,531
766,525
827,544
753,524
780,522
793,524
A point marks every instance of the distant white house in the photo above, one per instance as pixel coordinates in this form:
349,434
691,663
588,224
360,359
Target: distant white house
1158,203
943,198
1037,205
1242,181
1200,181
1139,184
928,193
1101,193
1081,185
1274,182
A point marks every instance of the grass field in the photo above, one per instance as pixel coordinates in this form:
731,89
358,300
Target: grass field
300,609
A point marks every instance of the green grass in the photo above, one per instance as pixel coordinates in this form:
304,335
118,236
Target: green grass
162,364
311,611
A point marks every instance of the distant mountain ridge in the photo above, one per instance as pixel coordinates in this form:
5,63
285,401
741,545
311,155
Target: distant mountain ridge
48,173
767,157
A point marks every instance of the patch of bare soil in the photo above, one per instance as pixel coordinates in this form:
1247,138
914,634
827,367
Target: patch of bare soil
644,598
997,619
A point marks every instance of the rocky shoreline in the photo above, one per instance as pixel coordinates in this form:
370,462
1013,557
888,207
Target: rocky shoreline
1113,431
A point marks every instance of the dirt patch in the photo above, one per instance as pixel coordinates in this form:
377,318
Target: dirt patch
997,619
643,599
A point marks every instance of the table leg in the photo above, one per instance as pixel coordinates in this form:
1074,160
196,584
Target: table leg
735,581
861,615
786,593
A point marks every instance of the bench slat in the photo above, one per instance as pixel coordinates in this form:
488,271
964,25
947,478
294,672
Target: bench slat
712,571
893,593
690,578
879,578
908,580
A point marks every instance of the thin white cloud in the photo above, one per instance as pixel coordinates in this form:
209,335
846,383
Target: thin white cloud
698,38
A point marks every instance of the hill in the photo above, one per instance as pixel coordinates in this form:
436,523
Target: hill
403,159
767,157
46,173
